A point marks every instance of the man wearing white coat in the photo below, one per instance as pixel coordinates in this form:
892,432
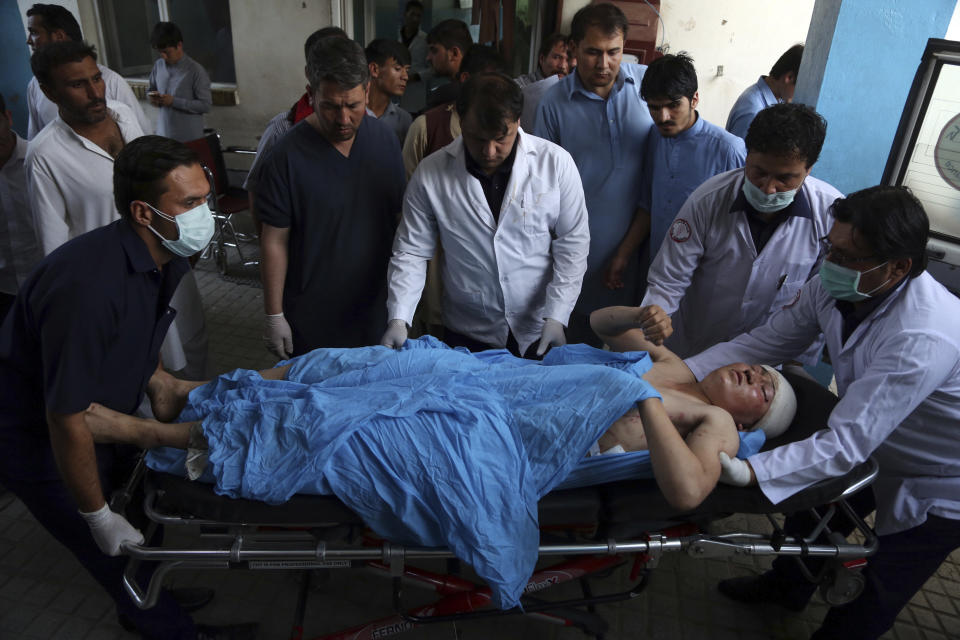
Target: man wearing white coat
508,208
894,341
746,241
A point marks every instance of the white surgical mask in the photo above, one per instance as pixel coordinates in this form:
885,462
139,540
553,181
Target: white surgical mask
767,202
194,230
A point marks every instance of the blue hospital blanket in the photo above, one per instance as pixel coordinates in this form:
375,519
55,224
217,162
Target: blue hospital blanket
431,446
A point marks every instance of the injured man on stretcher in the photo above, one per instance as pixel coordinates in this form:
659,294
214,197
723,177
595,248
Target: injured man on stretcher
686,425
440,447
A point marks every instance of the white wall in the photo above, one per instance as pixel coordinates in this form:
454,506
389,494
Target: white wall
744,36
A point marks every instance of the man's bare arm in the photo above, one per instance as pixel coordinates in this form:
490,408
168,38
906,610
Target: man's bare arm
76,458
688,469
634,329
273,264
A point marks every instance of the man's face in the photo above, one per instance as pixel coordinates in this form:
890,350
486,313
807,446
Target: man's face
851,250
171,55
411,19
673,116
598,59
6,125
441,59
391,77
187,188
556,62
339,110
774,173
38,36
744,390
77,88
488,149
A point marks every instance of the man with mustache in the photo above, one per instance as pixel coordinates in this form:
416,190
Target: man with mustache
70,163
48,23
683,151
598,116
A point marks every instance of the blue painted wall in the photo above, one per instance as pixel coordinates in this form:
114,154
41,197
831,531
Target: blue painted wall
873,56
14,64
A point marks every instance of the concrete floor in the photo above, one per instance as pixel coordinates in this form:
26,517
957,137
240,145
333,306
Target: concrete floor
45,594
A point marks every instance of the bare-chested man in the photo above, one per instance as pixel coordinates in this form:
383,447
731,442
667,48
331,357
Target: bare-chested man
685,433
696,422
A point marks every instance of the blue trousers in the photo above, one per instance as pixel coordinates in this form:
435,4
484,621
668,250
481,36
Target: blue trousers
901,566
28,469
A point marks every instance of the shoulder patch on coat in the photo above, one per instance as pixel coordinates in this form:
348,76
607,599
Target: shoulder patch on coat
680,230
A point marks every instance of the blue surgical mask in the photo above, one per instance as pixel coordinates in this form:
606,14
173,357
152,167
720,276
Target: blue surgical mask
843,283
194,230
767,202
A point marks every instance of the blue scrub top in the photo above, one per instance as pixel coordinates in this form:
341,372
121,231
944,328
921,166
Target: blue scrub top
606,139
755,98
86,327
677,166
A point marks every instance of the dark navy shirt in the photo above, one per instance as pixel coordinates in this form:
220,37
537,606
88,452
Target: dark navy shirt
86,327
342,213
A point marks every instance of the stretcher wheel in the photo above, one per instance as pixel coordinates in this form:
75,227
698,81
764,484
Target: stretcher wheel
843,586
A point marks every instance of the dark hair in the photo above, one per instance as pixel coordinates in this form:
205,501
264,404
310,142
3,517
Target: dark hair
339,61
141,166
411,4
891,220
316,36
451,33
550,42
609,18
45,60
493,98
671,76
56,17
789,61
788,130
482,58
382,49
165,34
3,104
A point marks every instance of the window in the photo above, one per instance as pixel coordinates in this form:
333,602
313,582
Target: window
205,25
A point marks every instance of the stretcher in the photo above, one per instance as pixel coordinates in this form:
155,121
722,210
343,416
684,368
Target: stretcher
584,532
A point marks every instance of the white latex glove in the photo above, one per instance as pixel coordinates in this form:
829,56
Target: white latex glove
734,471
395,335
109,529
551,336
277,336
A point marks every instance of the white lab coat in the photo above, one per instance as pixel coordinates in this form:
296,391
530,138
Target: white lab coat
898,377
708,276
496,277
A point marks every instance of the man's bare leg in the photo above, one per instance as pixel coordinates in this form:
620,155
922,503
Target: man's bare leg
109,426
168,394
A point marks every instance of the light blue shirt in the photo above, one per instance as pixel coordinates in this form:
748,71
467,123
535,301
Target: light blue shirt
756,98
676,166
606,139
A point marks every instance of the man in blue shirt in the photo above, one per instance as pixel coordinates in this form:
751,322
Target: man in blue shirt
598,116
683,150
776,88
86,327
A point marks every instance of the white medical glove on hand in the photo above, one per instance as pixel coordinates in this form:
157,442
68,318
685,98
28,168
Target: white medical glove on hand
395,335
277,336
109,529
734,471
551,336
